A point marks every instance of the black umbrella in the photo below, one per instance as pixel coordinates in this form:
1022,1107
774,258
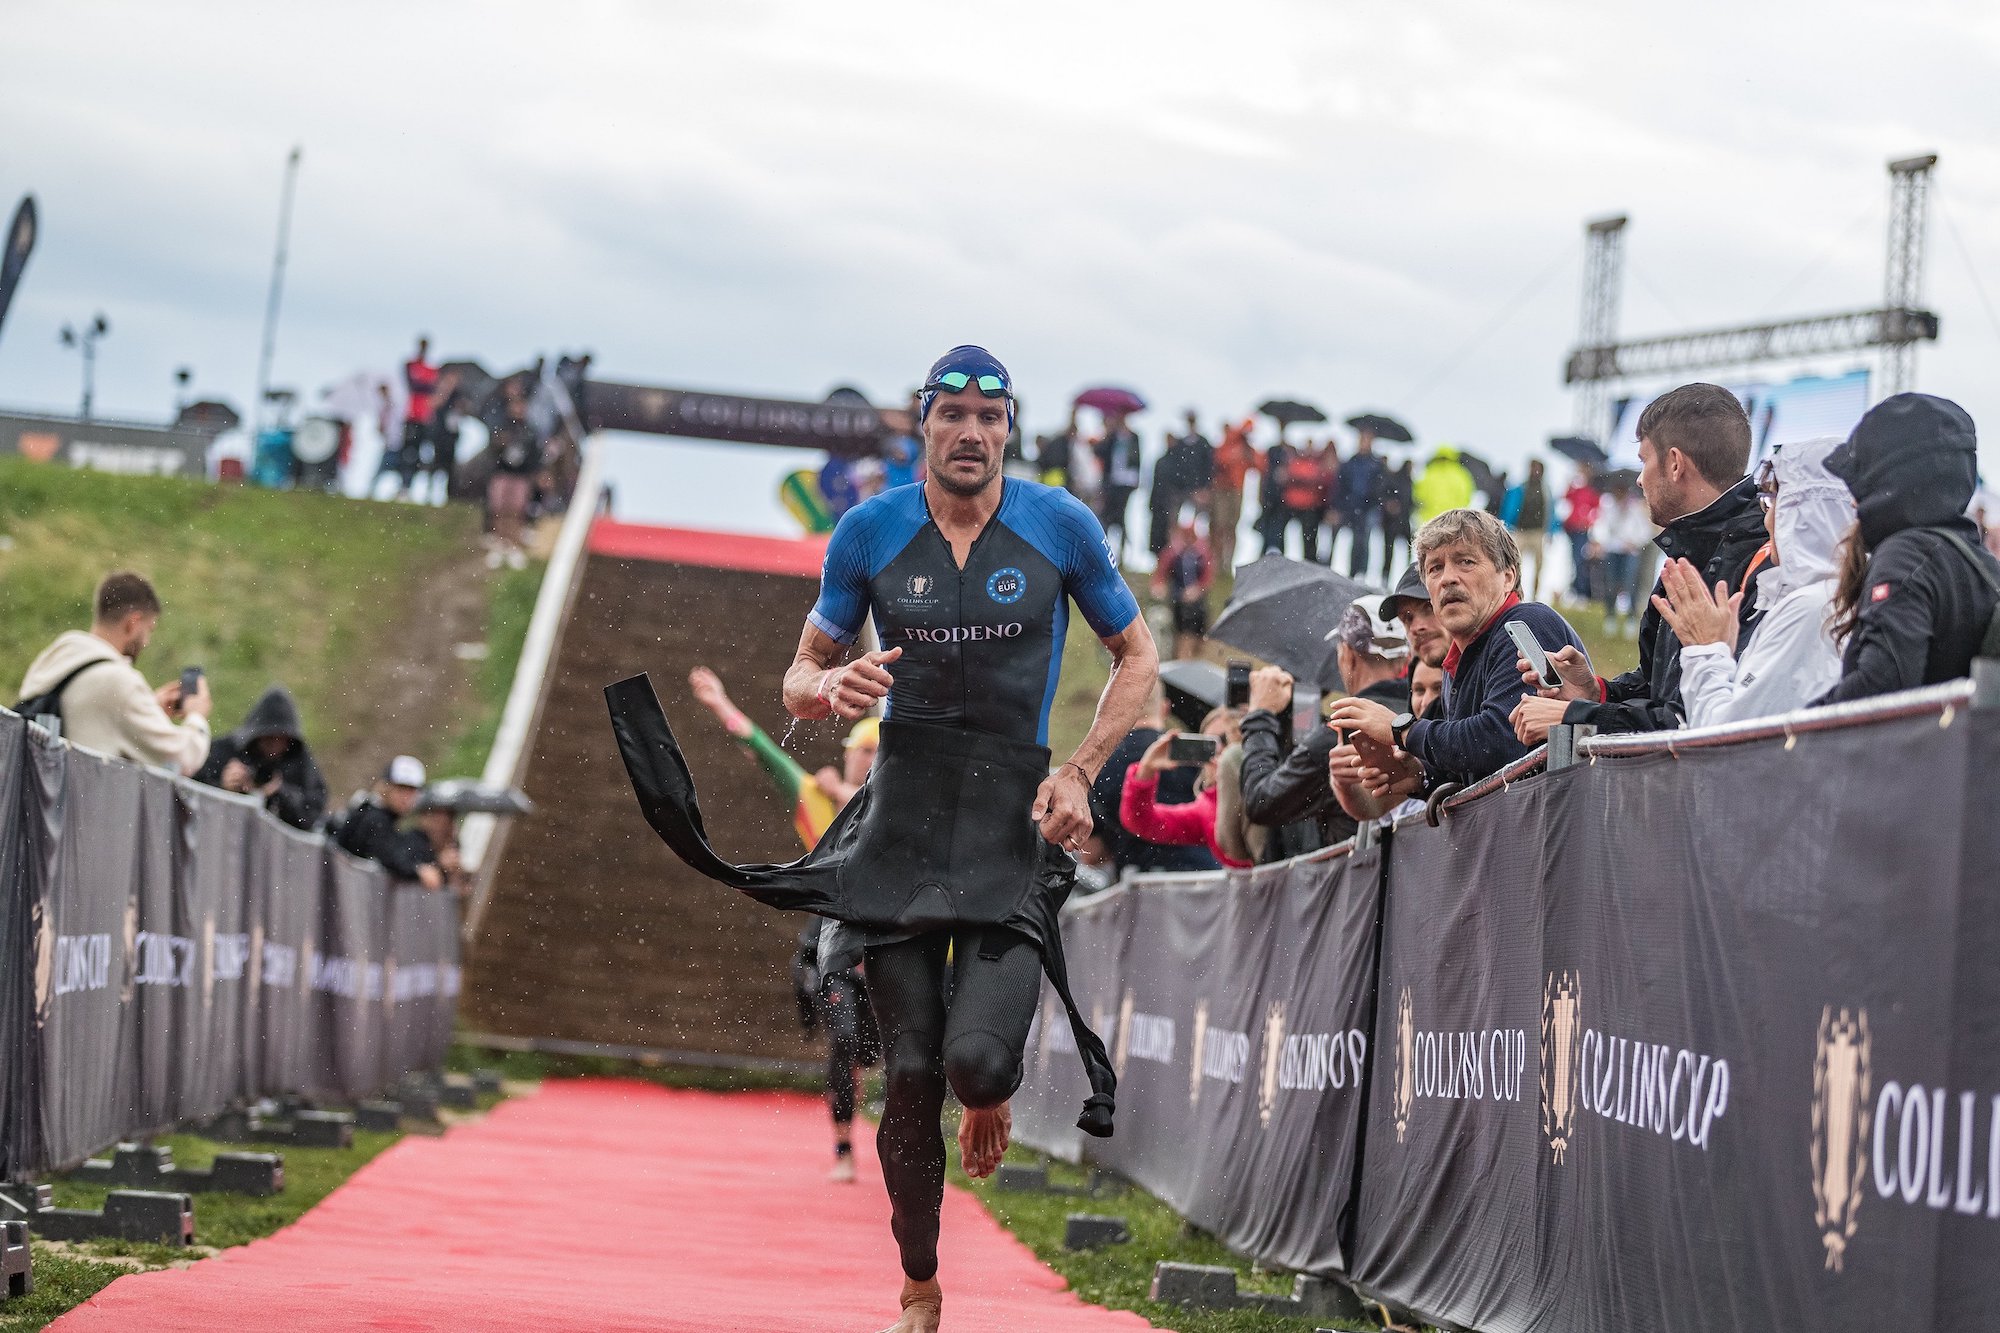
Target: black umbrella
464,796
1624,477
1283,609
1284,411
1580,450
1194,687
1382,428
1483,479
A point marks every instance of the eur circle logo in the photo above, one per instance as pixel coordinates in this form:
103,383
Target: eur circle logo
1007,586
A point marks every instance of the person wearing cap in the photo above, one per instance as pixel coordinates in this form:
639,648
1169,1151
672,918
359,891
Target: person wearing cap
1281,788
1409,605
372,829
959,847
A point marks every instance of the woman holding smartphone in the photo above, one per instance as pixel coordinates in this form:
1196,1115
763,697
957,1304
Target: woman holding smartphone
1191,823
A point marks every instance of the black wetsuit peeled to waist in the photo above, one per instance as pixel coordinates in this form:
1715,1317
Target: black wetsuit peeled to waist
939,848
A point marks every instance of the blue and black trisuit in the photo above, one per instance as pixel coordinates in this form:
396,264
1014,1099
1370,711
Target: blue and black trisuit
938,851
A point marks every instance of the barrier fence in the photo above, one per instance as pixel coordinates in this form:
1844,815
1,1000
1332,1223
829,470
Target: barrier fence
1685,1035
169,951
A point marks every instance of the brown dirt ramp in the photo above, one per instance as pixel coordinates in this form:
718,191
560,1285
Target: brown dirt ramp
595,931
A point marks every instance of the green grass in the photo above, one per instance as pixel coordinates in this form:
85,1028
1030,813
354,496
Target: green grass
63,1281
1119,1276
258,585
510,606
223,1220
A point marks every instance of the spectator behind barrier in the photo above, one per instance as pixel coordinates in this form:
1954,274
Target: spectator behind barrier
1182,577
1187,823
1472,569
104,703
1918,598
371,829
1426,683
1107,794
1694,444
1280,788
1792,656
267,757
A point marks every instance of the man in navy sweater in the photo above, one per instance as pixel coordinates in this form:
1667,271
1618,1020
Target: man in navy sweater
1473,570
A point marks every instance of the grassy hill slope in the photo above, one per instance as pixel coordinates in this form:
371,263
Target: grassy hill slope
358,607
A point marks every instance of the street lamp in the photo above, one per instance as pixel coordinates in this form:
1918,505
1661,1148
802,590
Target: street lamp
87,340
183,376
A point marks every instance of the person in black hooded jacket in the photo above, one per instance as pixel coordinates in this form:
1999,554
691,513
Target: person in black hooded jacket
267,756
1913,605
1694,445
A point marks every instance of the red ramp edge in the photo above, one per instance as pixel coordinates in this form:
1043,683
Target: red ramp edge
800,557
605,1205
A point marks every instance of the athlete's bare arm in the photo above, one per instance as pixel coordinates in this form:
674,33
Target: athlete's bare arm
1062,806
819,684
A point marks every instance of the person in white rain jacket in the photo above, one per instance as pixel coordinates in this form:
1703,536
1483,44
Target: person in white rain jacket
1791,658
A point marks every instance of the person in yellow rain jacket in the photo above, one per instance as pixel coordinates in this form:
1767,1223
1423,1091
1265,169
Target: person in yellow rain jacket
838,1001
1443,484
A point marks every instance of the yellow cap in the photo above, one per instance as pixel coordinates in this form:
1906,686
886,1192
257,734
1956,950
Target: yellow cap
868,731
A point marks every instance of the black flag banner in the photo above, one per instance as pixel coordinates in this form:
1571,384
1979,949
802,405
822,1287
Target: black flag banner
168,951
14,251
1680,1042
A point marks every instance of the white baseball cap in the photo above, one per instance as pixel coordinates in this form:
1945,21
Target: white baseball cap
404,771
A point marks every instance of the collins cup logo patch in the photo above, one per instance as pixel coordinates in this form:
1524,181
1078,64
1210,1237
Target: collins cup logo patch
1007,586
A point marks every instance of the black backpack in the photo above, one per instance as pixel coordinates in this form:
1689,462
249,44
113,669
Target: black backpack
49,705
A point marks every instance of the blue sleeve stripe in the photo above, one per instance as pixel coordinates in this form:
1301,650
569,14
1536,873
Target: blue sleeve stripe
1059,636
828,628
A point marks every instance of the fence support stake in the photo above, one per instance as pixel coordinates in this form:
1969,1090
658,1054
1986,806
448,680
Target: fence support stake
1563,739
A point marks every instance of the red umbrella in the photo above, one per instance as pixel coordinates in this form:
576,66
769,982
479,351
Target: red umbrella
1111,401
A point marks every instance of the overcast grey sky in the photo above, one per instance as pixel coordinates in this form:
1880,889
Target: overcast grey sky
1211,203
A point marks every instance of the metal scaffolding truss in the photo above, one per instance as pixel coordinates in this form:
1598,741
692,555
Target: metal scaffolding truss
1897,326
1817,335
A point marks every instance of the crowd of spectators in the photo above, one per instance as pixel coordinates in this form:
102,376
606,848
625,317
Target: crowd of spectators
86,687
1839,570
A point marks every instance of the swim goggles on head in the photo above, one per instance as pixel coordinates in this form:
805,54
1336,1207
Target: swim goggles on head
956,381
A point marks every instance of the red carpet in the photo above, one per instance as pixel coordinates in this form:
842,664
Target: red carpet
604,1205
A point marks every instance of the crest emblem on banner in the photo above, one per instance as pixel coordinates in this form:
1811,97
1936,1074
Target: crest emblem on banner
1124,1033
1562,1035
1274,1053
1840,1119
1405,1090
1194,1061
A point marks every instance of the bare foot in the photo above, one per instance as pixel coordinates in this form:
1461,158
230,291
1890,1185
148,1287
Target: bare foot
982,1139
923,1308
843,1170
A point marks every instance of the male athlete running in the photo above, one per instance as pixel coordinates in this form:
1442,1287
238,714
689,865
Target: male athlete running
969,578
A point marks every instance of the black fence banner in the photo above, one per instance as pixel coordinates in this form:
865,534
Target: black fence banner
346,973
17,983
1706,1040
84,905
168,951
1238,1016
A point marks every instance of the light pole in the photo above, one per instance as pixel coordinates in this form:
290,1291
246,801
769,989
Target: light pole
183,376
277,289
87,340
